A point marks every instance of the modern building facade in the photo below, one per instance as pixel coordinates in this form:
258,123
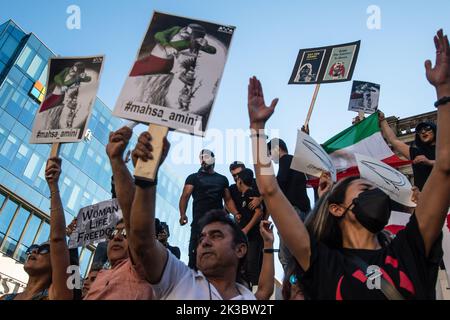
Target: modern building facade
86,172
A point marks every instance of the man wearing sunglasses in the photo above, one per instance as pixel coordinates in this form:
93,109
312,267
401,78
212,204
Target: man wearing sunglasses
125,279
422,151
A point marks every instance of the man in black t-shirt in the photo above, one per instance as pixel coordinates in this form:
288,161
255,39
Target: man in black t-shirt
249,223
208,189
293,185
235,168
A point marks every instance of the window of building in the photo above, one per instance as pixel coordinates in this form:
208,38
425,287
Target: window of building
15,105
44,233
6,92
10,243
85,259
6,216
8,49
25,57
31,167
73,198
36,67
28,238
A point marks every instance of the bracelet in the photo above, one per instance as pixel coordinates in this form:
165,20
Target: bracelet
145,183
259,135
441,101
271,250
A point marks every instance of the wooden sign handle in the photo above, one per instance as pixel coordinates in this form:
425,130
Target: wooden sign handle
311,107
147,170
54,152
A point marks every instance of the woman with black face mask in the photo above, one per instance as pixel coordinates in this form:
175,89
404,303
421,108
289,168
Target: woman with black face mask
341,252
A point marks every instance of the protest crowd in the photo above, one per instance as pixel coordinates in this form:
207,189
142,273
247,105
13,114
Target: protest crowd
327,246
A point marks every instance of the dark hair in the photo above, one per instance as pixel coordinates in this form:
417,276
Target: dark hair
277,142
321,223
80,66
236,164
217,215
223,217
208,152
417,141
292,269
246,176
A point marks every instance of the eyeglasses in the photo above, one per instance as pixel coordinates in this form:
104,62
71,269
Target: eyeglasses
425,129
122,232
38,249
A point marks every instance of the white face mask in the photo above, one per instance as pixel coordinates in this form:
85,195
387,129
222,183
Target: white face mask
275,155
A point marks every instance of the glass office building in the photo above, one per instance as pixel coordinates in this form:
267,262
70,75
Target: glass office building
86,174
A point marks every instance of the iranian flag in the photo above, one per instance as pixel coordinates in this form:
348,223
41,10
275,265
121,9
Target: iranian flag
363,138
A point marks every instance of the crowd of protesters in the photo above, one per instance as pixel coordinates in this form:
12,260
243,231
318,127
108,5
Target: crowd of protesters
325,251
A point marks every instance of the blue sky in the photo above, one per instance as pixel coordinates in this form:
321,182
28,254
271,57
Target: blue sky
268,37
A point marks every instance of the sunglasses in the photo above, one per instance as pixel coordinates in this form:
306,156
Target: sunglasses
425,129
39,249
122,232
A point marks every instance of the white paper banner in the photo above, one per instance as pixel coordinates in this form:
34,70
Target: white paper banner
388,179
311,158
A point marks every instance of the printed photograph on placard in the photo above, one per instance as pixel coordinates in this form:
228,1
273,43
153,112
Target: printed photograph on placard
364,97
72,85
176,75
309,67
340,63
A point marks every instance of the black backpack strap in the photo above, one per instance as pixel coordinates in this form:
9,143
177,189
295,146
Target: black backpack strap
388,289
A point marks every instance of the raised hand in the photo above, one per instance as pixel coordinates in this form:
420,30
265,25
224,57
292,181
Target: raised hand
266,230
53,171
258,112
144,148
118,142
439,76
325,184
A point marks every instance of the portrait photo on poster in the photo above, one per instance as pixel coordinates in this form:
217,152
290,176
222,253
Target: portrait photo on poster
341,63
72,85
364,97
309,67
325,64
175,78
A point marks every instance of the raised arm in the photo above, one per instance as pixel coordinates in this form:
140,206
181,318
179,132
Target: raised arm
59,252
267,274
149,251
123,181
390,136
288,223
434,200
184,200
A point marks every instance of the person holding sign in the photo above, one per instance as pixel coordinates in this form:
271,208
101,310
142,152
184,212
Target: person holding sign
422,152
220,251
340,253
125,280
46,264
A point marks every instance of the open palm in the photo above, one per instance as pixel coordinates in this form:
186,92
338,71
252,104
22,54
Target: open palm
258,112
440,74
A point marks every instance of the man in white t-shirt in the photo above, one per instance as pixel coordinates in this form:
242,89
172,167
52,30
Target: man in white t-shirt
221,248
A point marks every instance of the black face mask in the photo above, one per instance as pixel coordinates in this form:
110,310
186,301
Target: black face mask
372,209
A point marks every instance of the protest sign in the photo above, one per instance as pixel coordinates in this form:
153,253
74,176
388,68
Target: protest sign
72,84
95,223
391,181
175,78
310,158
325,64
364,97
